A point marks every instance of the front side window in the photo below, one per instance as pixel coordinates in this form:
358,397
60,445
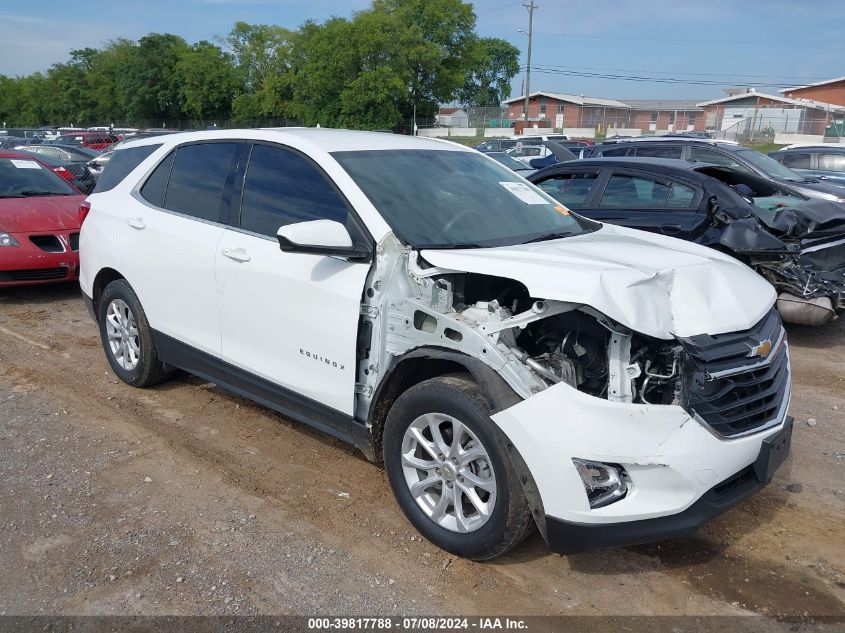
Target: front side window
283,187
571,189
456,199
796,161
615,151
704,155
198,179
634,192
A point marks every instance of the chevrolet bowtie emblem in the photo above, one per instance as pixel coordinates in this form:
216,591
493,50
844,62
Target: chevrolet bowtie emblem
762,350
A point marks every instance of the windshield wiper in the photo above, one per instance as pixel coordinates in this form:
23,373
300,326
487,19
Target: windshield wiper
550,236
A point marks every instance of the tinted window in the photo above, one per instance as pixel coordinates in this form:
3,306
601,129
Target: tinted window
682,197
198,179
154,189
711,157
615,151
571,189
658,150
634,192
832,162
283,187
120,164
797,161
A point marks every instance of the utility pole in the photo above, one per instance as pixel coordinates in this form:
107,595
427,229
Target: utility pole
531,6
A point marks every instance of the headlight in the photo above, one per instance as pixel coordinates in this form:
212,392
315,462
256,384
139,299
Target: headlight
6,239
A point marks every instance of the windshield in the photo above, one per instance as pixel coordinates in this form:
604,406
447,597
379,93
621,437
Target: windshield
769,166
456,199
509,161
25,178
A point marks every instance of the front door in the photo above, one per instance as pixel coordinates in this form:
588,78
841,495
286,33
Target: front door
289,318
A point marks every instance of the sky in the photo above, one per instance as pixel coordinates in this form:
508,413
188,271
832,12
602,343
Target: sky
636,49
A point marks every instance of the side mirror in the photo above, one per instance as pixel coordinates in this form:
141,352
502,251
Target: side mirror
319,237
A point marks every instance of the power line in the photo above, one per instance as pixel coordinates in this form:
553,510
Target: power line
646,79
797,78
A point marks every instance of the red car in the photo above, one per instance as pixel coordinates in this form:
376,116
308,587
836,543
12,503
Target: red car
39,223
91,140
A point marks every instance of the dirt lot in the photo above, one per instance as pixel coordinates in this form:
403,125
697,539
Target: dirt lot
185,499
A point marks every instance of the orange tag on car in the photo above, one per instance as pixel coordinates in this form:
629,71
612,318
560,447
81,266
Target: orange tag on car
561,209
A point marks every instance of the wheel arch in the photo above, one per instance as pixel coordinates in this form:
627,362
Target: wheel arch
429,362
103,278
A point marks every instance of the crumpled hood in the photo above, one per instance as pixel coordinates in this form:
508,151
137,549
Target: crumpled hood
32,215
816,218
655,285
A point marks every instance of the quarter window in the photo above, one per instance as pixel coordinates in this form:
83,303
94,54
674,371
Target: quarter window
156,186
198,179
283,187
571,189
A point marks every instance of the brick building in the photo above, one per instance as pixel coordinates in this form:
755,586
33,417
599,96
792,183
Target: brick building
559,110
757,110
830,91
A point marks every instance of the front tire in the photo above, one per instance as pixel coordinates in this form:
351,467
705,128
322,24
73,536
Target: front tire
448,466
127,337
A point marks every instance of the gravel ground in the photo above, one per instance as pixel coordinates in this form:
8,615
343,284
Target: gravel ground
185,499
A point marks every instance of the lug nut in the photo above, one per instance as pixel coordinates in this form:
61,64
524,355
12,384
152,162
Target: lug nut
460,478
441,457
437,471
448,484
455,461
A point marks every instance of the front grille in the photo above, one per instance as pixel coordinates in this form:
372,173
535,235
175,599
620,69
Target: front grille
48,243
34,274
732,392
74,241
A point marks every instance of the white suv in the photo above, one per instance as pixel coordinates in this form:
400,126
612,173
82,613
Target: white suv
512,363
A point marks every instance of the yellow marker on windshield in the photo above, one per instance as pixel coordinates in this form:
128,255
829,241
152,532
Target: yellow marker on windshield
561,209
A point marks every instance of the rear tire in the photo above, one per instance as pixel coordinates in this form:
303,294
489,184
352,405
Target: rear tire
448,465
127,337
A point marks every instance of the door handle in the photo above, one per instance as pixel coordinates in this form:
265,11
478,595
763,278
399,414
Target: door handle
136,223
236,254
670,229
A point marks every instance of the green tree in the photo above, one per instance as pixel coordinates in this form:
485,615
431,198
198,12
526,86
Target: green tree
207,81
494,65
149,85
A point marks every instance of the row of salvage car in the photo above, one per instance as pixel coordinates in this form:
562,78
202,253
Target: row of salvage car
787,227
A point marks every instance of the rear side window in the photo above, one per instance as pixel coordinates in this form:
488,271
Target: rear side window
571,189
283,187
198,179
122,162
832,162
704,155
796,161
615,151
660,151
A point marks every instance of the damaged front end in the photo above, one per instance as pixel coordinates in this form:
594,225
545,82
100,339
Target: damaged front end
801,252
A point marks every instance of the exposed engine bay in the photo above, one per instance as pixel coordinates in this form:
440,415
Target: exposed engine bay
532,343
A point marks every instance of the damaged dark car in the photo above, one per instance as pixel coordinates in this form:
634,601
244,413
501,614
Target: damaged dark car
796,243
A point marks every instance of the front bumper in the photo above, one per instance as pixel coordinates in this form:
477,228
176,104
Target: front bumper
675,463
566,537
29,264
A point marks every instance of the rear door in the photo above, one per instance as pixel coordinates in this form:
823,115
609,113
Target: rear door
168,240
289,318
650,202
